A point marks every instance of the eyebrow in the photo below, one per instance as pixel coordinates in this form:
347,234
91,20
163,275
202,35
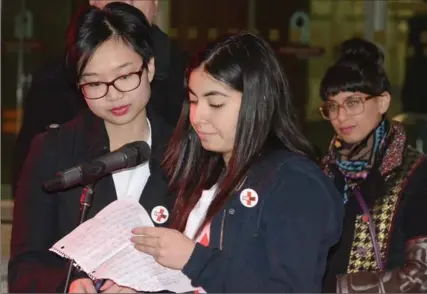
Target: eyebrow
91,74
209,93
345,98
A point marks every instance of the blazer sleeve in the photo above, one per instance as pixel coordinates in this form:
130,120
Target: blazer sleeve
302,219
32,268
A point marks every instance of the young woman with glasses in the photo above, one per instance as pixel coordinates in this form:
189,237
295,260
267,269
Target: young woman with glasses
110,58
383,247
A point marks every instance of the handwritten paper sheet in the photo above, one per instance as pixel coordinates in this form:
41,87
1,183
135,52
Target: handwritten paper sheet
101,247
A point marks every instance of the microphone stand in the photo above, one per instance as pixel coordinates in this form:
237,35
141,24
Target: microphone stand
85,203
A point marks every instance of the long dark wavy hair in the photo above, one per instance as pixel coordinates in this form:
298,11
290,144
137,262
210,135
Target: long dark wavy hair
266,120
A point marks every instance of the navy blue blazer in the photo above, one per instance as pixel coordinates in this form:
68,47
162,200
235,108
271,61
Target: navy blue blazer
279,245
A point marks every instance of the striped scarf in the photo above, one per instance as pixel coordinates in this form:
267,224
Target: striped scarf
356,160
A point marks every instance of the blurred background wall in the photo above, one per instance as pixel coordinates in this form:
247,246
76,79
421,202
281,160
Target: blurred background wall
305,34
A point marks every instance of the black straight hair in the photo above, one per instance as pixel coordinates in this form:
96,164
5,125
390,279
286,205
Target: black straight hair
266,120
92,26
359,68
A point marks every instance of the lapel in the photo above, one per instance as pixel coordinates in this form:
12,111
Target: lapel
155,192
97,143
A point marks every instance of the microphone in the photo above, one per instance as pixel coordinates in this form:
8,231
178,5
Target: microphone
129,155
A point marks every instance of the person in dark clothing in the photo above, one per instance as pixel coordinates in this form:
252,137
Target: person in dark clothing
383,247
111,57
414,97
52,100
254,212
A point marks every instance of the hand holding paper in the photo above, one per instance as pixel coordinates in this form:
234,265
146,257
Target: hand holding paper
82,286
169,247
102,248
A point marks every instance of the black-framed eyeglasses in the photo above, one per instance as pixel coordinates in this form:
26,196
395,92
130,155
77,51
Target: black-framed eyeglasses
124,83
352,105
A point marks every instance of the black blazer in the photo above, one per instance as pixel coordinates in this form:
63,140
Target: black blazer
40,219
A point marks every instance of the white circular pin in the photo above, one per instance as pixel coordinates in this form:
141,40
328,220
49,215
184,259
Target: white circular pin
159,214
249,198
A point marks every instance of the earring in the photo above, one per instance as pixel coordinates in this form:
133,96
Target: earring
337,142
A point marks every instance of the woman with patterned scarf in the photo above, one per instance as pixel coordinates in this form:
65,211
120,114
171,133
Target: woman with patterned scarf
383,247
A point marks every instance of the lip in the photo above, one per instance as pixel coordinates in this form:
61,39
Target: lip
120,110
203,135
347,130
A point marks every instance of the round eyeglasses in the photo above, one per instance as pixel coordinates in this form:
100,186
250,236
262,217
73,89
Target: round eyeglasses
124,83
352,105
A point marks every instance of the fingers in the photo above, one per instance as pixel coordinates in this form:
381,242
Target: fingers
84,285
149,245
118,289
89,286
153,251
126,290
145,241
107,284
113,289
77,287
150,231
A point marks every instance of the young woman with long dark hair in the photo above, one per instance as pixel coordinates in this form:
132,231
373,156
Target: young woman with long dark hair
254,213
